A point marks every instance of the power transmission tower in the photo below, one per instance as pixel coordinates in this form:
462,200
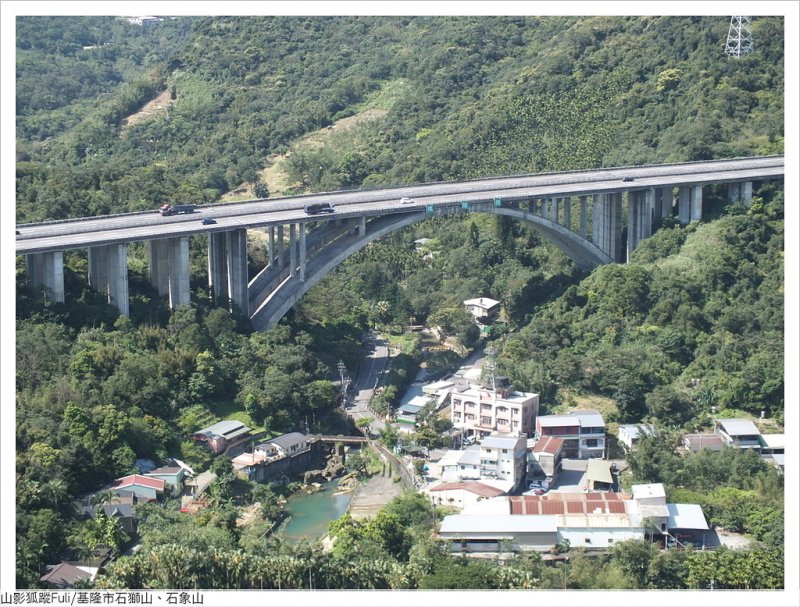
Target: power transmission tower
740,40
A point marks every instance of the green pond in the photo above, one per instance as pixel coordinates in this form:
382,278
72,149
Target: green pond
311,513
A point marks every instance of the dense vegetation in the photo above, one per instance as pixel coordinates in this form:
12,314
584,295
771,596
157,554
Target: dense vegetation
695,322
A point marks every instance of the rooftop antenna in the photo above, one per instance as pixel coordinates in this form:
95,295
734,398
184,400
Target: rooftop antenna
740,40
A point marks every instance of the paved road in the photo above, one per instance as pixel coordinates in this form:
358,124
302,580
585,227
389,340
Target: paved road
81,233
372,366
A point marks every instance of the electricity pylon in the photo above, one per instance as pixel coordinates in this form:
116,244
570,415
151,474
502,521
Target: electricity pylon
740,40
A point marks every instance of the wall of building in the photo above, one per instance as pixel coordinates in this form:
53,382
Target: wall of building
599,537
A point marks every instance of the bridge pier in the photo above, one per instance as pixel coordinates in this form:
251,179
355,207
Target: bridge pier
292,250
741,192
108,274
227,268
607,225
270,245
46,272
169,269
567,212
684,204
696,211
584,217
666,202
280,246
639,221
302,227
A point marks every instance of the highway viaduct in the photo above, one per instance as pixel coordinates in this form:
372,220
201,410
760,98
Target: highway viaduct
581,212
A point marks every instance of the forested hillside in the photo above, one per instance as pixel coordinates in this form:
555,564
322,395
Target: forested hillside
465,97
694,322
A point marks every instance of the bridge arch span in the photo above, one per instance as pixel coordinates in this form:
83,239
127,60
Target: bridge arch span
279,301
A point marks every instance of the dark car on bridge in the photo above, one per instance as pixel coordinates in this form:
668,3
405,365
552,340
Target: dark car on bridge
318,207
207,221
627,179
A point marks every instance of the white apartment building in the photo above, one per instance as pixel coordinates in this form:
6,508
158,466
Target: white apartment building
503,458
479,411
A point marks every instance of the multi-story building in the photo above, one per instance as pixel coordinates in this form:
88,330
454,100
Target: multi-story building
503,457
583,432
479,411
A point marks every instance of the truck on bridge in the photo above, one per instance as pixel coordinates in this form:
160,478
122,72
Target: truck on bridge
178,209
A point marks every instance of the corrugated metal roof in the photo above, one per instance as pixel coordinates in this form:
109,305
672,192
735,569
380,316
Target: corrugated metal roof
223,428
553,507
686,516
548,421
738,427
471,456
500,442
774,441
286,441
472,486
599,470
589,418
548,444
138,479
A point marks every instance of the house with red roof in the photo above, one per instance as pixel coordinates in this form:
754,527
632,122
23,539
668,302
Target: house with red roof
544,457
144,487
461,494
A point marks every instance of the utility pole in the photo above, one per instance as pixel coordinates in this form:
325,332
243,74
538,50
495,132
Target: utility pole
740,40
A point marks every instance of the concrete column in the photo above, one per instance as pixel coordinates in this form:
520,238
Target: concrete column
584,217
46,274
292,250
734,192
747,193
567,202
684,204
98,269
615,220
666,202
362,227
607,225
158,266
556,207
108,274
118,277
654,197
597,223
236,241
218,268
178,255
696,206
637,218
270,245
302,252
649,212
280,246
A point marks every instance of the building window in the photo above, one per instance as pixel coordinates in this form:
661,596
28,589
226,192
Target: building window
515,424
515,411
591,442
486,421
588,540
610,541
505,450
